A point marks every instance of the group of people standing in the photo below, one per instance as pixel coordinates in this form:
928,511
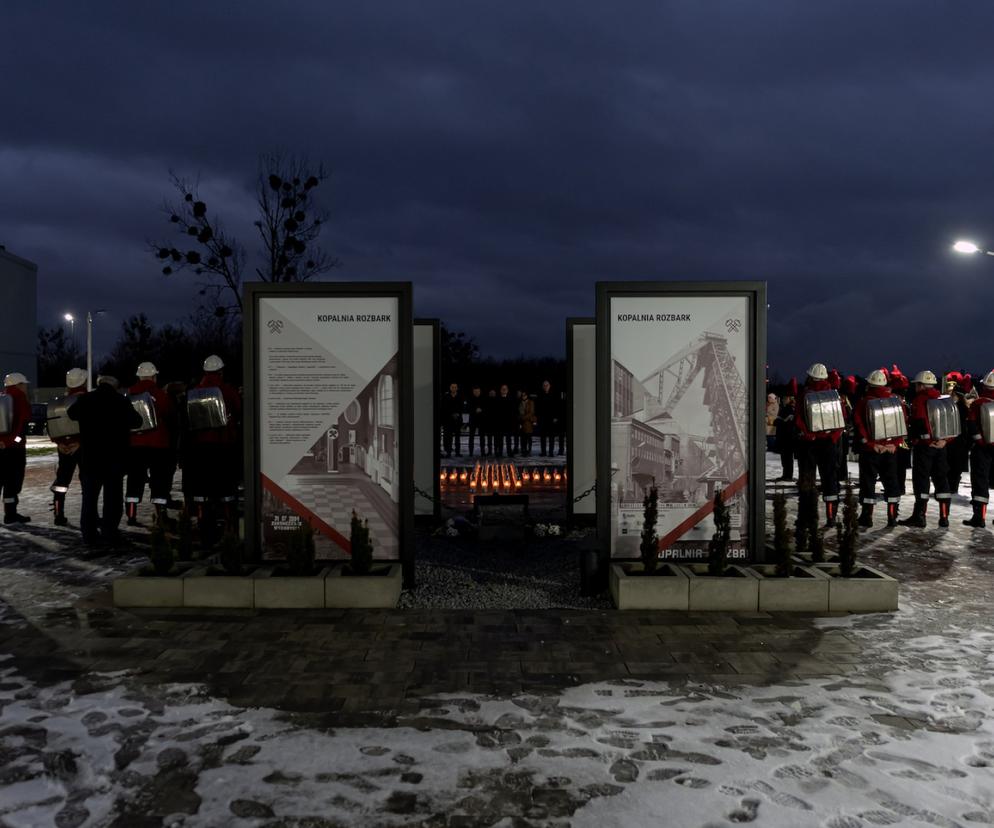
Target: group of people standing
115,443
937,435
500,422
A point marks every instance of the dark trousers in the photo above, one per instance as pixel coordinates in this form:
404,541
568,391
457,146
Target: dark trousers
820,456
502,443
12,463
64,473
111,482
928,463
882,466
450,437
486,443
787,462
981,465
154,465
473,431
212,469
526,444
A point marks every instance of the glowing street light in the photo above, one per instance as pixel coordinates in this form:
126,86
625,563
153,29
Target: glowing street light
968,248
72,326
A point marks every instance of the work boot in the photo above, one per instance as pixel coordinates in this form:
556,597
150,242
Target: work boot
892,514
917,518
10,514
979,519
59,508
131,510
944,514
831,509
865,516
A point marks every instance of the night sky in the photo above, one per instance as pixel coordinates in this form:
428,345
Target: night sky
506,156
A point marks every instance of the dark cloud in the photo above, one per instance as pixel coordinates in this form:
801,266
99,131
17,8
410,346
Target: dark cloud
506,157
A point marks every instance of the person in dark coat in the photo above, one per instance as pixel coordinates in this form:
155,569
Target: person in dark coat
105,420
477,418
549,420
784,423
451,416
505,421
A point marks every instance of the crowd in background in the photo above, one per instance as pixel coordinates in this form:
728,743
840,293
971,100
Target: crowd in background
500,422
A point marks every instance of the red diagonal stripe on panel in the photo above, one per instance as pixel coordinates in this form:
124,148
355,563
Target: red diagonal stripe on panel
324,528
705,510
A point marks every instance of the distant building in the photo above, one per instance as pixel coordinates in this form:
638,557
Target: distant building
18,315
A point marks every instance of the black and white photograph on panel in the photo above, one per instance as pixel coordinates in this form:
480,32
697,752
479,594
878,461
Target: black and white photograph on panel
679,419
329,402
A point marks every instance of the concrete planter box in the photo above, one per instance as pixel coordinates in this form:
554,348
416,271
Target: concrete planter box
668,590
203,589
806,590
363,591
137,589
736,591
273,591
868,590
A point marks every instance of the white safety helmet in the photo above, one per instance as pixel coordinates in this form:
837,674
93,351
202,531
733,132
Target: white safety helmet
145,370
925,378
15,378
988,381
877,379
818,371
213,363
76,378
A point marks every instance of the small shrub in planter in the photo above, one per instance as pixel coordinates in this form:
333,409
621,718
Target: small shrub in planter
718,547
362,547
231,553
649,544
160,552
781,535
300,551
848,533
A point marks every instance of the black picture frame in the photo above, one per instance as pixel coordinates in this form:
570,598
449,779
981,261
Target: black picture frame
755,291
435,325
571,323
402,292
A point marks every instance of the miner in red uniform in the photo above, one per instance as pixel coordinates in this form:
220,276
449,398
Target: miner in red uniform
928,457
817,449
981,454
68,449
877,458
150,457
213,455
899,385
13,446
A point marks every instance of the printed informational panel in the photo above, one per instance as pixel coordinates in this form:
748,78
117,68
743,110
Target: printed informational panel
582,352
327,406
681,401
425,430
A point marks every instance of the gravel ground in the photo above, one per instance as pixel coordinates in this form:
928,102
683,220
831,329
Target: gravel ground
461,573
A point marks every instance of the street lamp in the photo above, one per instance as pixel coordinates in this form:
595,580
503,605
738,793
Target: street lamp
968,248
72,326
89,347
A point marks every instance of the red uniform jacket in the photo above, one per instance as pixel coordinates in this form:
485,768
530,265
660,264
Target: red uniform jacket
919,428
17,436
233,402
859,416
973,416
802,426
158,437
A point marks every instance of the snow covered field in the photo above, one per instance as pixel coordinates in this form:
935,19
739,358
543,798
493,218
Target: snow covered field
903,736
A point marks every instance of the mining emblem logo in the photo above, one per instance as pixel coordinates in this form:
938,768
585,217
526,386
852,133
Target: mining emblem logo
733,325
275,326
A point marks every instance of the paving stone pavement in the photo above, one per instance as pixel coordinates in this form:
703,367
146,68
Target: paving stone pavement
343,663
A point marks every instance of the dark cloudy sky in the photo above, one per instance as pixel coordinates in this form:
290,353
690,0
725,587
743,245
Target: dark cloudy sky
506,156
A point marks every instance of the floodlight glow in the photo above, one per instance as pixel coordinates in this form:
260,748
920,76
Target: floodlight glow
966,247
69,317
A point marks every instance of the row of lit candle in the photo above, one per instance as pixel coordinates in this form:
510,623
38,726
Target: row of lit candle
501,476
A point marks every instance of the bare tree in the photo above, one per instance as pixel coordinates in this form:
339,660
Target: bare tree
289,224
